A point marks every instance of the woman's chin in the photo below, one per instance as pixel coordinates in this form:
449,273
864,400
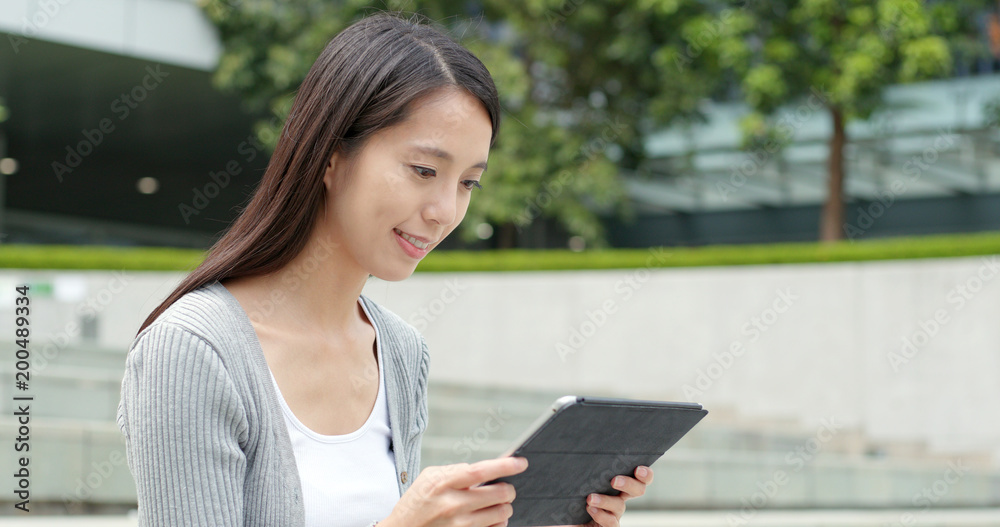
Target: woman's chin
393,275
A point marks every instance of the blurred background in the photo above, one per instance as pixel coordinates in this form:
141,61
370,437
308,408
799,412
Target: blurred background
787,211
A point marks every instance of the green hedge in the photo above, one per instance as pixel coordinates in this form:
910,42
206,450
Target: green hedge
164,259
98,257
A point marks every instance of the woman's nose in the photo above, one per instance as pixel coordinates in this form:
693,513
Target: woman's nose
442,207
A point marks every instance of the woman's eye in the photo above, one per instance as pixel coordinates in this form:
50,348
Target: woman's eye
424,172
471,183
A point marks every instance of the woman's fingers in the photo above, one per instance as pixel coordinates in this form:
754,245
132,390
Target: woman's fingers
608,510
487,470
490,503
629,487
457,492
604,518
605,510
612,504
491,495
495,515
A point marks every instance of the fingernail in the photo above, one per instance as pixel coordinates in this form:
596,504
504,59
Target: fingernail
595,499
641,471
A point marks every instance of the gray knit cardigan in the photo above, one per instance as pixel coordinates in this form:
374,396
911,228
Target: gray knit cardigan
205,437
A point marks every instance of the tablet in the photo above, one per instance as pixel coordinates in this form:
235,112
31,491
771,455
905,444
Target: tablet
578,445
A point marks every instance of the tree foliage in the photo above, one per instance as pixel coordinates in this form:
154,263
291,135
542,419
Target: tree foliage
269,46
581,84
845,52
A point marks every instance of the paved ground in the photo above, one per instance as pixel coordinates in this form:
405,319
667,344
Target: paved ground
816,518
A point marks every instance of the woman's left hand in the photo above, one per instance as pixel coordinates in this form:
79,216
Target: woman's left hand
606,511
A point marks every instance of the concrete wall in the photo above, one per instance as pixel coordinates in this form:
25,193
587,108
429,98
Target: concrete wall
776,354
802,342
796,342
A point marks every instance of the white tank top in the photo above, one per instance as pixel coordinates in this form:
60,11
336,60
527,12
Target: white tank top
347,480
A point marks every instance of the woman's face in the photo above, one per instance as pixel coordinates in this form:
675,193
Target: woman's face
410,184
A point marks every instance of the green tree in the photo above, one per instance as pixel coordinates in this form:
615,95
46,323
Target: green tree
269,46
581,83
615,65
842,53
606,71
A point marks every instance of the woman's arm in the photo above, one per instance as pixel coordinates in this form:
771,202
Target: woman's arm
183,423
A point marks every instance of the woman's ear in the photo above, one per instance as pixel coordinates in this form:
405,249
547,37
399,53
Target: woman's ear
330,174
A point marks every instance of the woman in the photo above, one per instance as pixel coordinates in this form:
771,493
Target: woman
247,397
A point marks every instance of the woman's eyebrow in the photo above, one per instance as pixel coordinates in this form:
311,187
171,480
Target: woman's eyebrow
437,152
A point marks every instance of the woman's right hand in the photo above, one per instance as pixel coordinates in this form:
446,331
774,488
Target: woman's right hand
450,496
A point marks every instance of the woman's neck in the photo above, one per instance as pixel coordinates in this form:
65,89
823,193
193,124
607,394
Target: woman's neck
317,290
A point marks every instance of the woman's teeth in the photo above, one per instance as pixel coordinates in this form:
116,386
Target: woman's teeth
417,243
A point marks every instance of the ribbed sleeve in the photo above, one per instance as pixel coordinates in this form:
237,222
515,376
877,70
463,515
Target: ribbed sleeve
184,425
422,413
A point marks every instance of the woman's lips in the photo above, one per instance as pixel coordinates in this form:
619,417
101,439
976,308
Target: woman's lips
419,243
409,247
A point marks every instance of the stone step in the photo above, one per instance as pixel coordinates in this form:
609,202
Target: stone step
45,353
962,517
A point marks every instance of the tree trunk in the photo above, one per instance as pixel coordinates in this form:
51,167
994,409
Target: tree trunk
832,219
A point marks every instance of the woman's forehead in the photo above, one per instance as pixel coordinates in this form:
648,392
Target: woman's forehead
449,127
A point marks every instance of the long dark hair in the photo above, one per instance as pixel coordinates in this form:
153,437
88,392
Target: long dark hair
362,82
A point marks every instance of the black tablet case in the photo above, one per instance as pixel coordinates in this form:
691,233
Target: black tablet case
583,447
